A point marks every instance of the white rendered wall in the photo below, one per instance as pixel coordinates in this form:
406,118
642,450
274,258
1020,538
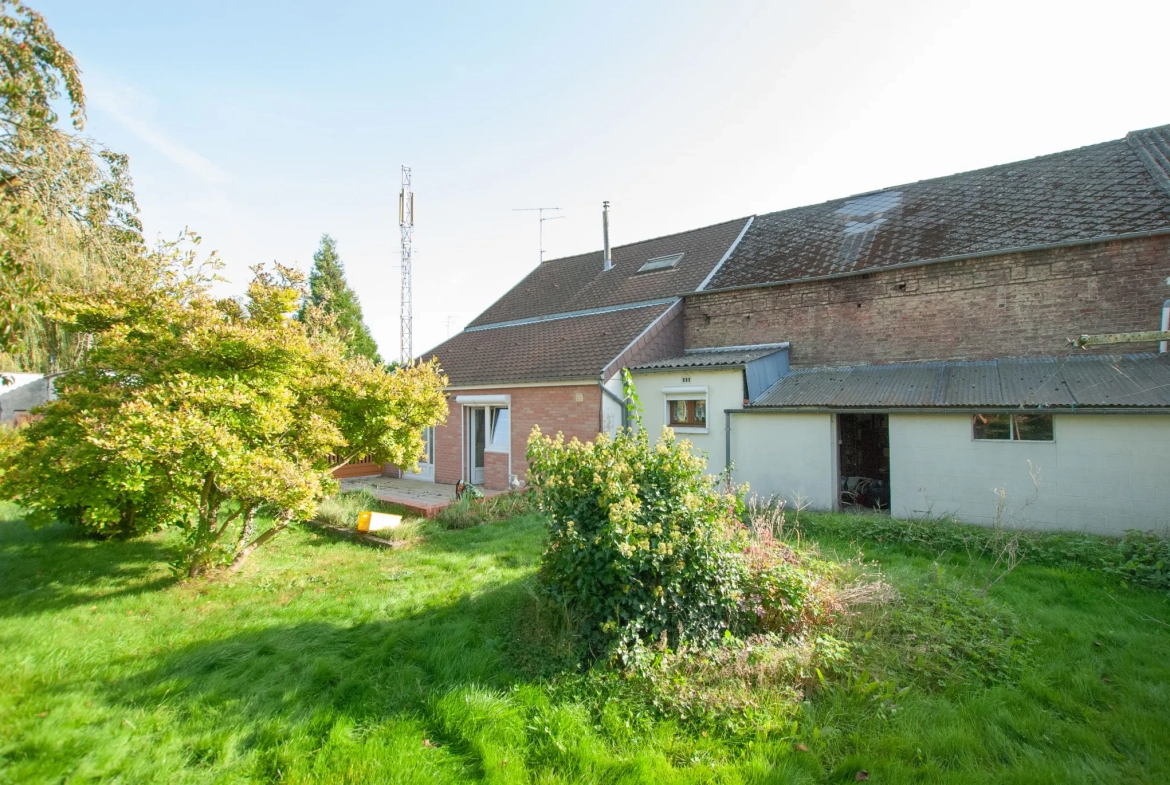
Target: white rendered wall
611,410
1102,473
790,455
724,391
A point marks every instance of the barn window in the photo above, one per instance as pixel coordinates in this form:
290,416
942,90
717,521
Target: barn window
1013,427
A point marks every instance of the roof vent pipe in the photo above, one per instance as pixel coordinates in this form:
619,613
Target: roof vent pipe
1165,325
606,259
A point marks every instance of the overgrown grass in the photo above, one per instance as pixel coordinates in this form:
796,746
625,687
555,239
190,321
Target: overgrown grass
326,661
475,511
343,510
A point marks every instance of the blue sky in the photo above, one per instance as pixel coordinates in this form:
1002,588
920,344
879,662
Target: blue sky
262,125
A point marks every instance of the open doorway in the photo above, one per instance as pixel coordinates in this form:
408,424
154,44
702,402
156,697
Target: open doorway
863,446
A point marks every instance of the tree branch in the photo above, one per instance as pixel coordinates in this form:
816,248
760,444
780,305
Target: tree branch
248,549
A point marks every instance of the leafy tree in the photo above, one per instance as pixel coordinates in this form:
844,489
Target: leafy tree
329,291
210,415
68,219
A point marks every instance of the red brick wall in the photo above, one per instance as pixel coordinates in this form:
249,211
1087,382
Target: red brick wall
495,470
553,408
663,339
1004,306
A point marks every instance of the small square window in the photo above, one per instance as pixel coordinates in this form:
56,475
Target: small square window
993,426
1032,427
689,413
661,263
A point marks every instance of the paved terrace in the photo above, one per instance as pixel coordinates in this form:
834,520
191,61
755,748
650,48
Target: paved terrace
420,498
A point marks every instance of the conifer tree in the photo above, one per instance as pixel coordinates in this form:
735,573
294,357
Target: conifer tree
329,290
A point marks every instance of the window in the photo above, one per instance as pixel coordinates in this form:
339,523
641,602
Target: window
428,446
1013,427
660,263
499,441
688,412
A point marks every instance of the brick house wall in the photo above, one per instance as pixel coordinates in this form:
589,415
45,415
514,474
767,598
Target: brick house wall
1021,304
664,338
575,410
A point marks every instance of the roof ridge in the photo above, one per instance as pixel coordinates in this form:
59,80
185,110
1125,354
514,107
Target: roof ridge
1152,147
746,347
646,240
907,184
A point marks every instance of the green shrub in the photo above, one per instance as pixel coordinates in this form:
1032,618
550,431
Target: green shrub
638,548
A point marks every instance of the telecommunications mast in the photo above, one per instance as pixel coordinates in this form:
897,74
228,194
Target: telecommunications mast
406,225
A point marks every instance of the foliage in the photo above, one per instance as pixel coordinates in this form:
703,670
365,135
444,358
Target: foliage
638,546
331,662
1141,558
33,69
478,510
68,218
329,291
207,414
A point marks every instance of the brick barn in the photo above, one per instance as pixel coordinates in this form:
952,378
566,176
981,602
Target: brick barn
903,349
550,351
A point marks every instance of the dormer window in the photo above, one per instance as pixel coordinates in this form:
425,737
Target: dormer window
660,263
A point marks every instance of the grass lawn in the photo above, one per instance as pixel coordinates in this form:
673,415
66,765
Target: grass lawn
331,661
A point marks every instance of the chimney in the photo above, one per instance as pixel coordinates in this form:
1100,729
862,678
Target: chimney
607,260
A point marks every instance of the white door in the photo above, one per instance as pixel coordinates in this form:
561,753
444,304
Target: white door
426,464
477,436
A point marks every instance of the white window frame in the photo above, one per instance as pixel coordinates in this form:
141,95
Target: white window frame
490,445
685,394
1012,439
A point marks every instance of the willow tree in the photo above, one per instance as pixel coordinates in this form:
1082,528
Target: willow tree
68,218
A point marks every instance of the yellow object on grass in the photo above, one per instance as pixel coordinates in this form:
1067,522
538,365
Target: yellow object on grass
375,521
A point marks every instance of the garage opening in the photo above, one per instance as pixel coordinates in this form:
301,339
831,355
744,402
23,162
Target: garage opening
863,445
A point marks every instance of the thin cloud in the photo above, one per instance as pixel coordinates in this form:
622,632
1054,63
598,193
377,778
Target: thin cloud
134,110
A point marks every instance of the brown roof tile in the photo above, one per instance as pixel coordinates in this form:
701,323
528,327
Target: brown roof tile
571,348
1102,190
578,283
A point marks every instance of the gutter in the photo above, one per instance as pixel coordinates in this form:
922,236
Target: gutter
1163,410
941,259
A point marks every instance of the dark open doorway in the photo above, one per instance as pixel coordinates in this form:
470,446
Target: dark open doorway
863,443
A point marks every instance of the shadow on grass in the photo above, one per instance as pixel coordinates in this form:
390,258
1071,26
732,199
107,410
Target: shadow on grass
56,567
280,693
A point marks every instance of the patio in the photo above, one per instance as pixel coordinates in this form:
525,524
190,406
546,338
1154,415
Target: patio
420,498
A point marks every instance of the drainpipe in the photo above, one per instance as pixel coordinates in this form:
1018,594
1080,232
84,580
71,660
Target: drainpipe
1165,325
607,260
727,440
621,402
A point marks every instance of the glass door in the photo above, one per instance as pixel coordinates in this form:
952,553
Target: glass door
478,434
426,463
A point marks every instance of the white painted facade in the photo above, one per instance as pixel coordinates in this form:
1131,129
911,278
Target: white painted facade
722,389
792,456
1101,473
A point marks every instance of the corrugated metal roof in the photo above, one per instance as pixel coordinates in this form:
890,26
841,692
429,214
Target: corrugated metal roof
1130,381
716,357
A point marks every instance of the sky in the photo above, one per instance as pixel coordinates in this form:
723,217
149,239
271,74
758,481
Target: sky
262,125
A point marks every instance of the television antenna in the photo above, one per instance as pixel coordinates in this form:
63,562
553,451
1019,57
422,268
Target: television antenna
540,214
406,227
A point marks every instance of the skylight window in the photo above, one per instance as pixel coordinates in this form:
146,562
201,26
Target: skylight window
660,263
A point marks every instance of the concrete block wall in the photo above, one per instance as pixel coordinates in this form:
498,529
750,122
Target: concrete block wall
1015,305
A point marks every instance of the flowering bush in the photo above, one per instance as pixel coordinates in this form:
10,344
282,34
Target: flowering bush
641,545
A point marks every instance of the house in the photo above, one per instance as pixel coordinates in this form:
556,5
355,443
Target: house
549,351
918,344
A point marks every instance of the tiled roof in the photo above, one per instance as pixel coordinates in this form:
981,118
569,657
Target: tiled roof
1117,187
1076,381
723,357
578,283
573,348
